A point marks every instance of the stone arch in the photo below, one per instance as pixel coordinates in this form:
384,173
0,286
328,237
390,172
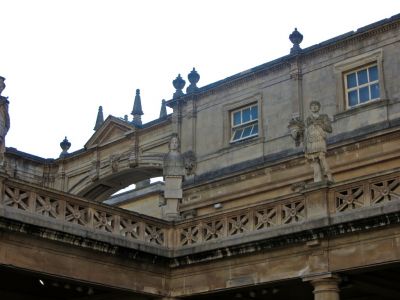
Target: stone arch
103,188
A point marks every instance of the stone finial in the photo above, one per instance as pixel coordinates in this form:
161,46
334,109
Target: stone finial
194,78
99,119
296,38
65,145
126,118
137,111
163,110
178,84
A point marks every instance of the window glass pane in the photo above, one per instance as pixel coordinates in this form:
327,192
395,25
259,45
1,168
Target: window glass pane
254,113
351,80
247,131
352,97
236,118
375,91
238,134
246,115
362,77
373,73
254,131
364,94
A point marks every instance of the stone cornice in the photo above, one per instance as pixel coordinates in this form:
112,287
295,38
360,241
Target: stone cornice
285,61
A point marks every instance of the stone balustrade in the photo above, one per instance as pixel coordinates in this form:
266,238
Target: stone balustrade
299,208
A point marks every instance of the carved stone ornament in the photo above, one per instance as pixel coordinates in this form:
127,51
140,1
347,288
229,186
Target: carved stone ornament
114,162
133,156
296,128
190,161
174,164
94,170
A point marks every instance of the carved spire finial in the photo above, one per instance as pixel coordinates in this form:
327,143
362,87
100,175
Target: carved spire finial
163,110
296,38
194,78
178,84
137,111
99,119
65,145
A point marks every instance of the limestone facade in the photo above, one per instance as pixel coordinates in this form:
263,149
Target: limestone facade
249,218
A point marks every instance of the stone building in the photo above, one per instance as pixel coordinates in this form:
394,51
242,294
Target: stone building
280,182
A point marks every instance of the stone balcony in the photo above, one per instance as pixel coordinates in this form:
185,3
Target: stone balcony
307,215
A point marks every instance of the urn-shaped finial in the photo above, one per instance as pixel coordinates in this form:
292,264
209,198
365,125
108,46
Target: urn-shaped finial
296,38
65,145
178,84
194,78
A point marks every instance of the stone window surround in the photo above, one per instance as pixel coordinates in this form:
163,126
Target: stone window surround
352,63
229,108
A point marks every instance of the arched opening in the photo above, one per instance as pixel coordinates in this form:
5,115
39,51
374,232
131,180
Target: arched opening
104,188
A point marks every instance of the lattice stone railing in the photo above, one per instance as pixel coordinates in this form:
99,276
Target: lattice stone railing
292,210
371,192
242,222
86,214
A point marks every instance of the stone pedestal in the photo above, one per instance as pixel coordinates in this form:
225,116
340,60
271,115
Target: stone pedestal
316,195
172,195
326,287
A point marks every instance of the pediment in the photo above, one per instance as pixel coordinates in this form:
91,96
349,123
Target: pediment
111,130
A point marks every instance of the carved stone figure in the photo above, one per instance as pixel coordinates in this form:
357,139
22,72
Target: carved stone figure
4,120
174,164
317,128
313,133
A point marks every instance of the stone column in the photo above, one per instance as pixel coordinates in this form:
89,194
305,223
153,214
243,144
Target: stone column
326,287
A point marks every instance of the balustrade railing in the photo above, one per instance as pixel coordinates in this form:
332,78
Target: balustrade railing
132,226
90,215
370,192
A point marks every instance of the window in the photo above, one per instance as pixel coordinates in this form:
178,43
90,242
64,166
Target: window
244,123
362,85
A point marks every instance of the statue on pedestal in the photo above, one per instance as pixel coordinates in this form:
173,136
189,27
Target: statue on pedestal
313,132
174,164
174,172
4,120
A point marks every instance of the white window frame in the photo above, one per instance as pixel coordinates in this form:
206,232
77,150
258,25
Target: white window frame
252,124
358,86
347,66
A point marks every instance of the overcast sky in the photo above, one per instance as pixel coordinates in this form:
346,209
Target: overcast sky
62,59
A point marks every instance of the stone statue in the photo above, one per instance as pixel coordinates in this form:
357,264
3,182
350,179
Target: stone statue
4,120
313,133
174,164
